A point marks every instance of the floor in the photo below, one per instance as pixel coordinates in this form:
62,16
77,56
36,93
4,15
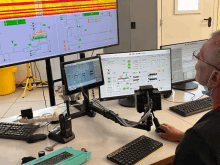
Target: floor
12,104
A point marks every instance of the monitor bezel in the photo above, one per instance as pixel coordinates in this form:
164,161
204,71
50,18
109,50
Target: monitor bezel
71,53
131,95
81,89
184,81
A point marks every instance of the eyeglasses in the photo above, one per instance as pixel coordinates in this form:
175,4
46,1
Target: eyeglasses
197,58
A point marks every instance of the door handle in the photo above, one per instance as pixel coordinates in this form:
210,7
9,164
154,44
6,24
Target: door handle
133,25
209,21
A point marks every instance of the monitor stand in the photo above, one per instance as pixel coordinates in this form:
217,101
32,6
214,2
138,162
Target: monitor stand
127,102
185,86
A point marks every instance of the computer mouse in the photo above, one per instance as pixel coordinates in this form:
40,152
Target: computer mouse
36,138
159,130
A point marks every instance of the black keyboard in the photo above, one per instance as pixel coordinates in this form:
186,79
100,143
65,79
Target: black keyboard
56,159
16,131
193,107
134,151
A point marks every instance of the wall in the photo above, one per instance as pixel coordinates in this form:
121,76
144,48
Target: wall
21,73
218,27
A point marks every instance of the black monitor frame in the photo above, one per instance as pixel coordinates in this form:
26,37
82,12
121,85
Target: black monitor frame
184,81
132,95
60,55
81,89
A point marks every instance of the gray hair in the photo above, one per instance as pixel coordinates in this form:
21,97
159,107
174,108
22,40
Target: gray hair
215,34
216,47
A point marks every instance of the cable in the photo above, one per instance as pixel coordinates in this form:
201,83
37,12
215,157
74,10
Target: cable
52,129
93,94
85,94
60,107
50,122
59,104
95,101
46,124
191,94
182,102
92,53
93,88
122,121
191,98
103,108
143,119
97,105
42,85
200,97
173,101
18,116
46,113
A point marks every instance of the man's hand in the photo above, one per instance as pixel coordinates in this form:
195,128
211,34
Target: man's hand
172,134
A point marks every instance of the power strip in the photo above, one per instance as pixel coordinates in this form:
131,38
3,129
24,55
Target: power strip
36,119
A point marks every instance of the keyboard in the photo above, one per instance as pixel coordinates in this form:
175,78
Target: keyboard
16,131
134,151
64,156
193,107
56,159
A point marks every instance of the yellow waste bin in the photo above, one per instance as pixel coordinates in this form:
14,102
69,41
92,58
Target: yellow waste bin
7,80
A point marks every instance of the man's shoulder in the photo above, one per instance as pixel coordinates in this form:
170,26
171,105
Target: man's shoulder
207,130
201,142
208,121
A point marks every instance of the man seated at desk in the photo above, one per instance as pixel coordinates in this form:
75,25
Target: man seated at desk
200,145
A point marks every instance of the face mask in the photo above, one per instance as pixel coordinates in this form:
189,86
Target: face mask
207,91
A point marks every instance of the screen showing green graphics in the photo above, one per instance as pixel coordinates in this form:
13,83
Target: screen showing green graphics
82,73
31,30
126,72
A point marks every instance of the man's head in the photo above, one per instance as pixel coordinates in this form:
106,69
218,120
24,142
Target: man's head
210,53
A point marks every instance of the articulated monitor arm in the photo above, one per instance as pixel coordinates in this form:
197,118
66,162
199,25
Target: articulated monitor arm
147,100
109,114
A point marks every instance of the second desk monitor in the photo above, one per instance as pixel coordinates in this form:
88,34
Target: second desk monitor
126,72
183,66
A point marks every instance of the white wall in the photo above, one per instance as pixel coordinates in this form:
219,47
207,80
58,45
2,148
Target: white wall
21,73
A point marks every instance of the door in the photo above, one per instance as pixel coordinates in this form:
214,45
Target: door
184,27
143,14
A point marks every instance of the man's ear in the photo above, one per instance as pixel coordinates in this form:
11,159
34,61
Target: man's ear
218,78
214,80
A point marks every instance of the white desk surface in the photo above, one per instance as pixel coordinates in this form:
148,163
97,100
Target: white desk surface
180,96
102,136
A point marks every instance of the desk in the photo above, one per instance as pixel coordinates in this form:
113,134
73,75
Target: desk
101,136
179,96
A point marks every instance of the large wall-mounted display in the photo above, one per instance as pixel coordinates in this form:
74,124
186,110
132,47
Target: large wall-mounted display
31,30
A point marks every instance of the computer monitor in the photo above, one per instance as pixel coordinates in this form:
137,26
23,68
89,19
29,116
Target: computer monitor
126,72
41,29
81,75
183,65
